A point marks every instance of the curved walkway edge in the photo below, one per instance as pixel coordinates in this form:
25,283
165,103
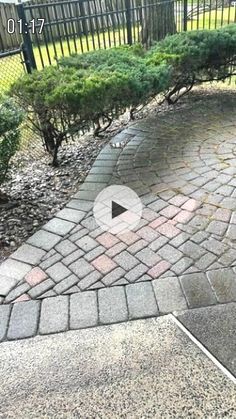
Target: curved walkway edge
72,275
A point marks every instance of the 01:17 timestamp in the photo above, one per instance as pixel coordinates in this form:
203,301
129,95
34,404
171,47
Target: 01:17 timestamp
22,27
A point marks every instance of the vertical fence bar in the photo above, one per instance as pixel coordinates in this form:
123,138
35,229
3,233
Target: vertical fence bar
128,22
26,36
185,15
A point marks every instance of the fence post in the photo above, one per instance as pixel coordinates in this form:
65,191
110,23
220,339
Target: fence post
128,21
27,45
185,15
83,15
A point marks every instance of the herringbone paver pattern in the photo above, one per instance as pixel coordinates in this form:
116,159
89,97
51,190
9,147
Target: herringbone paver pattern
183,166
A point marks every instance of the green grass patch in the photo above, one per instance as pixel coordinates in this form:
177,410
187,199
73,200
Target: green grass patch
213,19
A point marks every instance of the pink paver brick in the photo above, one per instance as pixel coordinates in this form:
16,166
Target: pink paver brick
159,269
107,240
222,214
170,211
168,230
104,264
191,205
35,276
21,298
129,237
157,222
183,216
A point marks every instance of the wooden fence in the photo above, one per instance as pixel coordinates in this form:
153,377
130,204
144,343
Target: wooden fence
101,15
8,41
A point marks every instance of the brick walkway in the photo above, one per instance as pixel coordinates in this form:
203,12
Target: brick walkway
70,274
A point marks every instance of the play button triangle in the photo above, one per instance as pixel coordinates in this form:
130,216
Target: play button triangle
117,209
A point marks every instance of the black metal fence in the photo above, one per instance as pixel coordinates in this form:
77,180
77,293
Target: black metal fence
34,35
11,67
59,28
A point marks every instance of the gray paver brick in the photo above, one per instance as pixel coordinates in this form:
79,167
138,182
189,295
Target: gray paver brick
141,300
59,226
76,235
24,320
228,258
112,305
66,284
158,243
58,272
170,253
180,239
223,282
83,310
199,237
54,315
14,269
197,290
136,247
41,288
217,227
136,272
169,295
148,234
4,318
148,257
72,215
158,205
50,261
144,278
47,294
44,239
86,243
72,290
182,265
89,280
81,268
192,250
28,254
231,233
126,260
93,254
6,284
65,247
16,292
72,257
90,223
113,276
97,285
205,261
215,246
80,205
116,249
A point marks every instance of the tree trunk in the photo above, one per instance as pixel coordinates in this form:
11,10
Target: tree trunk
158,20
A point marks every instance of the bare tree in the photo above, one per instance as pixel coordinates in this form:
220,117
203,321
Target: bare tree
158,20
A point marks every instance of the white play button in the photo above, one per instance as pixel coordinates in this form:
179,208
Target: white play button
117,209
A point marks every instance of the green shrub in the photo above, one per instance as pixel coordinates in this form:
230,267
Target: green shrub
10,119
70,98
85,89
197,56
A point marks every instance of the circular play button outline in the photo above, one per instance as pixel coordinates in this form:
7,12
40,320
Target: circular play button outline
117,209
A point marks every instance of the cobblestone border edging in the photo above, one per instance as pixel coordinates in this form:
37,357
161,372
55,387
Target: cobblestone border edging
78,311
